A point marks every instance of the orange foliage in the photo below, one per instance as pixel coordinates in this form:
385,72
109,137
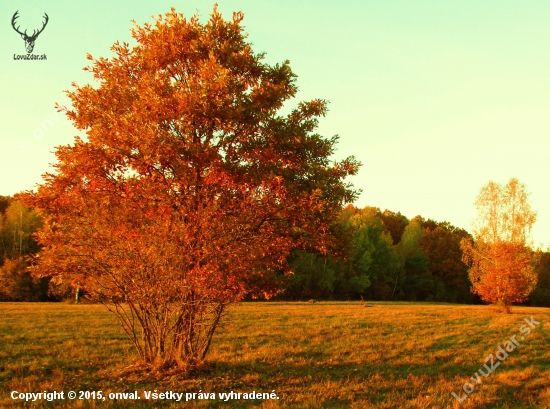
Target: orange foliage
190,190
500,263
501,273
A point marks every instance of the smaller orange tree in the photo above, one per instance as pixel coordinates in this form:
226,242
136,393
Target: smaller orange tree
501,269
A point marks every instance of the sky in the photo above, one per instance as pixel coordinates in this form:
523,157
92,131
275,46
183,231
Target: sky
435,98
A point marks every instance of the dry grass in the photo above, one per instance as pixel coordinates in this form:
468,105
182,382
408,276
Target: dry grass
329,355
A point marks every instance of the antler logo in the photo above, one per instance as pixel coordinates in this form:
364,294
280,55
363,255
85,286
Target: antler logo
29,40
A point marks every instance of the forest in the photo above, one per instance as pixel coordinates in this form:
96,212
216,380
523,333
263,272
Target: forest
378,255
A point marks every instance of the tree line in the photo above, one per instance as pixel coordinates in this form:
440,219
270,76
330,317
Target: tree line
379,255
386,257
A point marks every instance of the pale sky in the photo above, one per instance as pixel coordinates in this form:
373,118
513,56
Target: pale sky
435,98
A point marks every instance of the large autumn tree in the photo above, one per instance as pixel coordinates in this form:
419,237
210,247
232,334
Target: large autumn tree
190,188
501,268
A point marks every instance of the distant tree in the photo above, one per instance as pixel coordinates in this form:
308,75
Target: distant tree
440,243
541,294
395,223
16,229
17,225
501,270
17,284
372,256
191,189
417,282
410,241
4,203
365,258
313,276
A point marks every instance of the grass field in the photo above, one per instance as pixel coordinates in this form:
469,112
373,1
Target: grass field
323,355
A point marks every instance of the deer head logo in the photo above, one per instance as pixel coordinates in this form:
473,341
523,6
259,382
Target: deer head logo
29,40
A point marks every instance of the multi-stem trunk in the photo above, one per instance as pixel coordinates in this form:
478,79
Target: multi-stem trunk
180,341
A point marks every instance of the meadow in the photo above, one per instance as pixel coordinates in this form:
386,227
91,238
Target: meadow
322,355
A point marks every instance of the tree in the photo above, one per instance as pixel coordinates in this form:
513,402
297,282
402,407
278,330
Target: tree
313,276
16,228
440,243
372,257
541,295
190,189
17,284
504,213
17,224
417,283
395,223
501,270
366,263
503,273
4,203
